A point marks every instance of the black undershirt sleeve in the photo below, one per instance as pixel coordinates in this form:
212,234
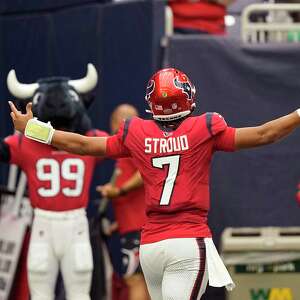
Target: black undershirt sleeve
4,152
208,118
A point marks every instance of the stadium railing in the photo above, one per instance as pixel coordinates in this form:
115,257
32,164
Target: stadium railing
275,23
169,26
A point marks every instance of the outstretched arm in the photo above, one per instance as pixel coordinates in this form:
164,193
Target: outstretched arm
67,141
79,144
267,133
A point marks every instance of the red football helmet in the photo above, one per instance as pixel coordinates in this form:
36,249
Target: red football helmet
170,95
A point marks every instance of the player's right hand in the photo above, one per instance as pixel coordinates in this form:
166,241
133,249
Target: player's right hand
108,190
20,120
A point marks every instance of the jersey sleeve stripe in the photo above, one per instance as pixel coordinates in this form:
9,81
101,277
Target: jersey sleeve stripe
126,128
208,117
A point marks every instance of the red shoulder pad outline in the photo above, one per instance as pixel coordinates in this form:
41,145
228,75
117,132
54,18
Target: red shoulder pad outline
14,139
14,144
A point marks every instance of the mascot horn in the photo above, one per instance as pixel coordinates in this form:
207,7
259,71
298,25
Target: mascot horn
60,100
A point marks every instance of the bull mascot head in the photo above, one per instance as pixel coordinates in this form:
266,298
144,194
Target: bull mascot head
58,100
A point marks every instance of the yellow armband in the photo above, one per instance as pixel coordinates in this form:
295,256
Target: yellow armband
39,131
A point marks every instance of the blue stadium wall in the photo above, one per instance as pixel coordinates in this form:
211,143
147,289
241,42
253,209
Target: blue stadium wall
52,38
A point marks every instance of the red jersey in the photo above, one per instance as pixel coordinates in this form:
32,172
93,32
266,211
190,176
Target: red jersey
175,166
201,15
130,208
57,180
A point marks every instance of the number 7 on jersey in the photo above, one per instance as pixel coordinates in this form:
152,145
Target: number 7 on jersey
173,165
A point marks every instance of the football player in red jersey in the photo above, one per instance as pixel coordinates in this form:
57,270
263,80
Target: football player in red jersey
173,153
58,184
129,206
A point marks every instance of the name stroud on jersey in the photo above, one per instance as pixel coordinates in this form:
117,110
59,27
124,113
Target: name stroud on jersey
162,145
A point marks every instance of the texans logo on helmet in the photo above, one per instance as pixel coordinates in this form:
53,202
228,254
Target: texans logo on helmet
184,86
150,89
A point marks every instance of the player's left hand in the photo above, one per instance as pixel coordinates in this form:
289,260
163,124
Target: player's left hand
108,190
20,120
108,228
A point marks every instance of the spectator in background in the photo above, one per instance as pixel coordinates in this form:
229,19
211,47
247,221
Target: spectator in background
199,16
129,207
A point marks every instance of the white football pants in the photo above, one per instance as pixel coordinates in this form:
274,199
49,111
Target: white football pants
60,240
175,269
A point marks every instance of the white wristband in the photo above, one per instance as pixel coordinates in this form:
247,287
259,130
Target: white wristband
298,112
39,131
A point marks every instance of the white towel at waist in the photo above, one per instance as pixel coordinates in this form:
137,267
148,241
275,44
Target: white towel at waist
218,275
